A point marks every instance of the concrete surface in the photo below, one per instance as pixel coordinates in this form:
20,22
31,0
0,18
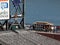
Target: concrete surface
25,38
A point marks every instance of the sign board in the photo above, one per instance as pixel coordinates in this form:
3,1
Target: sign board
4,9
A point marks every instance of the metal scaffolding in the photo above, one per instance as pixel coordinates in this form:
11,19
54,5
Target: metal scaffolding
18,6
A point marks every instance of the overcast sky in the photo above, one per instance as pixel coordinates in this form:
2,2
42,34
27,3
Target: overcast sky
42,10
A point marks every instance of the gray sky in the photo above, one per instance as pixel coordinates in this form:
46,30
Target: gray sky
42,10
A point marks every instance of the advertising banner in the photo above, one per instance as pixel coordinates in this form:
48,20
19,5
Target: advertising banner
4,9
